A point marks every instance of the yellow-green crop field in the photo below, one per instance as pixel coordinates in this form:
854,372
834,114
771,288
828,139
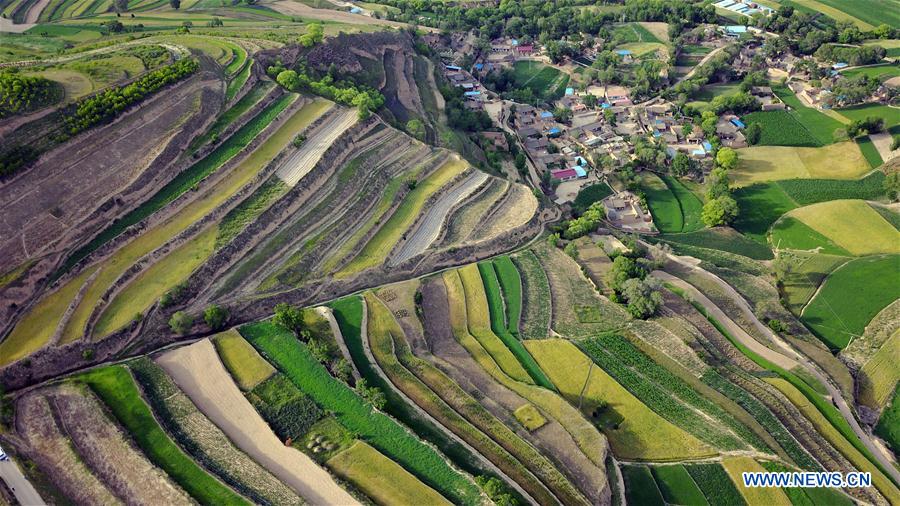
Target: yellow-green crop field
641,434
852,225
242,360
841,160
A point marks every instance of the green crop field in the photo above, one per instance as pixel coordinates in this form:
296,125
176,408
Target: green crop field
869,151
852,225
811,495
590,194
715,484
760,206
724,239
663,204
640,488
878,377
690,204
807,273
115,386
811,191
850,297
891,115
677,486
511,284
888,427
293,358
791,233
498,325
544,81
819,125
780,128
880,72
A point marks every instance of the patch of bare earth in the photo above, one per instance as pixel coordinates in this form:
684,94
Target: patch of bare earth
42,207
200,374
464,220
518,207
54,454
109,452
450,357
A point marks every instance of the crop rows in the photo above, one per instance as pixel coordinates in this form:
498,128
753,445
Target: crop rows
498,325
511,284
765,417
287,410
810,191
715,484
664,392
536,301
293,358
115,386
203,440
677,486
448,403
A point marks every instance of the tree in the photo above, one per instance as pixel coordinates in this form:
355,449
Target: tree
416,128
643,296
895,143
623,268
721,210
181,322
215,316
289,317
753,133
717,183
609,116
727,158
562,114
315,32
289,80
342,370
590,101
681,164
372,395
176,4
891,185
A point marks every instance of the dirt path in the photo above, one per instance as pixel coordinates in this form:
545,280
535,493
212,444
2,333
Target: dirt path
430,224
298,165
704,60
7,25
326,313
34,12
200,374
882,142
788,360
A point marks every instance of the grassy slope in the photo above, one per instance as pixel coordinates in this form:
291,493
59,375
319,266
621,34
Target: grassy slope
852,225
241,360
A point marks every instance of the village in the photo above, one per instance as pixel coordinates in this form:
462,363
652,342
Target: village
587,133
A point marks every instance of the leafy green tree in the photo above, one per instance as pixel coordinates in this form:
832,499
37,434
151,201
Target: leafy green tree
891,185
681,164
727,158
315,32
623,268
215,316
643,296
181,322
721,210
288,79
289,317
717,183
416,128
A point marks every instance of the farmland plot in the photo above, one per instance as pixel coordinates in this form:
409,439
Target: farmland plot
49,448
734,466
197,370
634,431
536,310
852,225
677,486
715,484
206,442
842,160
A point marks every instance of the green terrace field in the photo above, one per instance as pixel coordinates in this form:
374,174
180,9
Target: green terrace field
819,125
850,297
115,386
293,358
722,239
888,426
674,208
762,204
880,72
546,82
891,115
869,151
840,227
873,12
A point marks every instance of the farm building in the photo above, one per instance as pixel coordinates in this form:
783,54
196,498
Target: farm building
569,174
624,211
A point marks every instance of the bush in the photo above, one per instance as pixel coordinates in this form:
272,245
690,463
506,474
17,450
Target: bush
20,93
215,316
288,410
181,322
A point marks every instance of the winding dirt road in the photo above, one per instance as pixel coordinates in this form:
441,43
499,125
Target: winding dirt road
787,359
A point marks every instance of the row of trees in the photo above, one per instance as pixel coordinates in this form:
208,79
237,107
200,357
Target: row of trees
365,99
106,105
720,207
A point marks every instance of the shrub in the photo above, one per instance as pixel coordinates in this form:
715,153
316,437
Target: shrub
181,322
215,316
288,410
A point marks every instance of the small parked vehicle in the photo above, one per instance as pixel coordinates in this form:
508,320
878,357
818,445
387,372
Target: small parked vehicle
3,455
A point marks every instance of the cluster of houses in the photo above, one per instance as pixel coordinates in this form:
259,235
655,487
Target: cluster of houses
745,7
473,90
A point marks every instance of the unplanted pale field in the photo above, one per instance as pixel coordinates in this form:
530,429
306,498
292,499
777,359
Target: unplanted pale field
198,371
642,434
852,225
380,478
842,160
